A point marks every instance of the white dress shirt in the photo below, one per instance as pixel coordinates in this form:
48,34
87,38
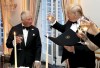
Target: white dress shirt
25,34
75,26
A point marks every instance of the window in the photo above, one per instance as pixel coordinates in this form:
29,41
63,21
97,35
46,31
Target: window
1,23
1,32
49,47
49,4
60,48
49,0
2,40
49,9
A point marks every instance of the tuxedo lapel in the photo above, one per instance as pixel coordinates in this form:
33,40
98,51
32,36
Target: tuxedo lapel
29,37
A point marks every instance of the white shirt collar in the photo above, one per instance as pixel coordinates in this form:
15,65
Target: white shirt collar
75,26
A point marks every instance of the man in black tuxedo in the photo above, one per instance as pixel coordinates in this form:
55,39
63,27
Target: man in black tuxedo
30,42
79,55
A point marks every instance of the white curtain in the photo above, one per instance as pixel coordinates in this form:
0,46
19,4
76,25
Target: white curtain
64,5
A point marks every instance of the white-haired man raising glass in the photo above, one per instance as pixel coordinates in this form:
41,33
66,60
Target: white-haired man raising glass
79,55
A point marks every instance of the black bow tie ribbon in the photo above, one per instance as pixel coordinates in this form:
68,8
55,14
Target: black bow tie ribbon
27,28
74,22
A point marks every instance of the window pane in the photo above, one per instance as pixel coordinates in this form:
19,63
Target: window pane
60,50
49,48
1,32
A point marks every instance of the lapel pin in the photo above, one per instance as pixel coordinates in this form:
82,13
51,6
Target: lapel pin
33,34
68,37
32,29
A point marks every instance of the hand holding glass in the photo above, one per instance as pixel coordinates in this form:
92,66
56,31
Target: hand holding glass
84,24
51,18
19,39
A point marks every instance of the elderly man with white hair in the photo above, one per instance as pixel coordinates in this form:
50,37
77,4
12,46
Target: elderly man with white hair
79,55
28,42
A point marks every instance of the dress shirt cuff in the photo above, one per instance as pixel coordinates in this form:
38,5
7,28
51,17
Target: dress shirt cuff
53,23
91,45
37,61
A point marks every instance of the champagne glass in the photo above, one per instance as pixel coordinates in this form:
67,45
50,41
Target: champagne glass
21,38
84,25
51,18
80,31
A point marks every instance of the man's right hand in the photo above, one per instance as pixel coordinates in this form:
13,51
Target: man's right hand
37,64
18,39
51,18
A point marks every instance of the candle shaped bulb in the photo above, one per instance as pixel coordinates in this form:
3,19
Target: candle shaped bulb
14,38
85,29
14,33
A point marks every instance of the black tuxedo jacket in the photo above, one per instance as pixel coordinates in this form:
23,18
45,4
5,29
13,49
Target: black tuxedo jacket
31,51
83,57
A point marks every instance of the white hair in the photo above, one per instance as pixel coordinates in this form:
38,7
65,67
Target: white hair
77,9
24,14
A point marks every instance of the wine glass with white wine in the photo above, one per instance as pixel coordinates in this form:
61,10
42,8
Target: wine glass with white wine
84,25
79,32
21,38
51,18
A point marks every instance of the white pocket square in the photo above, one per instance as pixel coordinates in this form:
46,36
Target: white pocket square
33,35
